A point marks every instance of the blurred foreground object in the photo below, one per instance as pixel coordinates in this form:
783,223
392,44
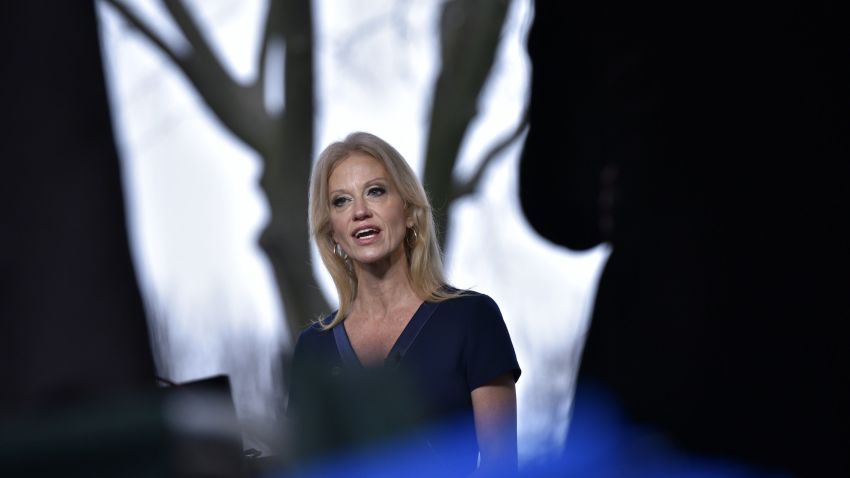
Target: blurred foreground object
78,390
711,151
73,327
185,431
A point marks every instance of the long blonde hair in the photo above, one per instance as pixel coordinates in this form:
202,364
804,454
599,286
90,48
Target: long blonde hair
425,263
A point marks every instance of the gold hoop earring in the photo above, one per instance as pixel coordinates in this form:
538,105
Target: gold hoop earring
415,235
340,253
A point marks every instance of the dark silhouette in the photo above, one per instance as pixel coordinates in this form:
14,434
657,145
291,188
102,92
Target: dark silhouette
708,146
75,364
73,327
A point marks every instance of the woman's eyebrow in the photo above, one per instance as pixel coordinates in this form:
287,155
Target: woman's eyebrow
369,182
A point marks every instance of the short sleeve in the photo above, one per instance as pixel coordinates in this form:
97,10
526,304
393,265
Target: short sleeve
489,352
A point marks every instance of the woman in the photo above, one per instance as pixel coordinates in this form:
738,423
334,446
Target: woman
373,226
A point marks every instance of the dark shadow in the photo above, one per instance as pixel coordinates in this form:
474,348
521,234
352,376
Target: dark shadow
73,324
79,394
709,147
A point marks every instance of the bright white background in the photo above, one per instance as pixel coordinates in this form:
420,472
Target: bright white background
195,210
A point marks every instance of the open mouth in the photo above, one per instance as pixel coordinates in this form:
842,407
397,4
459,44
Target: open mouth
366,232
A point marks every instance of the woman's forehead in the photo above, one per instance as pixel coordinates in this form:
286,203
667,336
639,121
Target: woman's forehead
354,169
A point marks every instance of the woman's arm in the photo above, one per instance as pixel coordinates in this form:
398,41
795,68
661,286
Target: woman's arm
494,408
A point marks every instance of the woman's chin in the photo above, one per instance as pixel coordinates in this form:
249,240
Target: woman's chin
376,259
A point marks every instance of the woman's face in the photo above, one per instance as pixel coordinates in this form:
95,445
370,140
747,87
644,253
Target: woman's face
367,213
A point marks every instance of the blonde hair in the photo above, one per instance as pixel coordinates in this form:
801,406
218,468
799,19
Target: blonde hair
425,264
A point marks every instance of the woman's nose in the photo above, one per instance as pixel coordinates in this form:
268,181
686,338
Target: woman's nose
361,211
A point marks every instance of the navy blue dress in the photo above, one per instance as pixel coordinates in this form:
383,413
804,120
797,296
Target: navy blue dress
447,350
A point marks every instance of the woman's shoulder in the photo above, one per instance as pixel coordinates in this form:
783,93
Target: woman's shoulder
470,304
316,331
468,296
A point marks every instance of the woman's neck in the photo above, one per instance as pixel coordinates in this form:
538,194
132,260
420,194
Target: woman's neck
382,288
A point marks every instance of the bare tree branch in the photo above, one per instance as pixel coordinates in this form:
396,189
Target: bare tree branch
190,30
272,29
137,23
284,141
299,88
461,189
470,34
239,108
260,80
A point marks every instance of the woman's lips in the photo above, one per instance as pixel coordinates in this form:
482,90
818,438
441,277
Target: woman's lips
371,235
365,241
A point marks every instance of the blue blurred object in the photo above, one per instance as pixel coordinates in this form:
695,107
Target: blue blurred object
408,456
602,443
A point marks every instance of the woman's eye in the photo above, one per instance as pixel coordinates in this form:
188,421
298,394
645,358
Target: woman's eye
339,201
376,190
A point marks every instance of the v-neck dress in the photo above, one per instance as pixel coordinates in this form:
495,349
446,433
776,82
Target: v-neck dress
447,350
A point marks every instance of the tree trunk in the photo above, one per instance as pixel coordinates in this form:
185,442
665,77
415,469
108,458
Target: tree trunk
285,241
470,31
286,175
